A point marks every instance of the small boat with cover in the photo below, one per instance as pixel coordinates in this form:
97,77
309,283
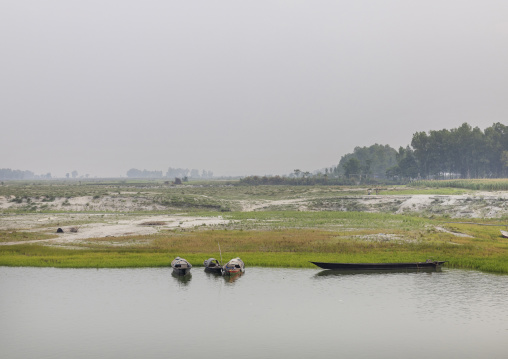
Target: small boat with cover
428,264
181,266
234,266
212,265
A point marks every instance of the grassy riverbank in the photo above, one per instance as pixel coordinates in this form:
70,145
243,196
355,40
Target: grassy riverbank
483,249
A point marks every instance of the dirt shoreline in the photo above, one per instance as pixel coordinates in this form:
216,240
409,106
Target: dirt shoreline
104,226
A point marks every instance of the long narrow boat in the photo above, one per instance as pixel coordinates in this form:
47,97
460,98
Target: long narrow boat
181,266
429,264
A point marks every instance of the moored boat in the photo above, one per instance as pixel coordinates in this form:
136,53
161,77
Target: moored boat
181,266
429,264
212,265
234,266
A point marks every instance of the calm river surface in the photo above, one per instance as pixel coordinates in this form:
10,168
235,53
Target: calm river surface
266,313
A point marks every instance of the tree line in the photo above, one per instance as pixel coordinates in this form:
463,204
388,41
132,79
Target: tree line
305,180
365,162
463,152
10,174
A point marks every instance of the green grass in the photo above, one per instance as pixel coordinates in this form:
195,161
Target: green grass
41,256
20,236
485,251
325,219
37,256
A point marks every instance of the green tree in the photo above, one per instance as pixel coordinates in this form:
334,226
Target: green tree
352,167
407,166
374,160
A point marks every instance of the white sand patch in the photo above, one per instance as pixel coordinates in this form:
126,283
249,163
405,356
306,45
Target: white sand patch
47,219
250,206
111,226
100,230
498,194
415,203
80,201
4,204
456,234
88,203
453,200
475,205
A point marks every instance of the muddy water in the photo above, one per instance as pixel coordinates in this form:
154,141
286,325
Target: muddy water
266,313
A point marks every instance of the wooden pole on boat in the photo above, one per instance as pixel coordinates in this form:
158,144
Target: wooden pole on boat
220,253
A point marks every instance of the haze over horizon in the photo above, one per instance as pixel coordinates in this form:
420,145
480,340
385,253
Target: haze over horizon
240,88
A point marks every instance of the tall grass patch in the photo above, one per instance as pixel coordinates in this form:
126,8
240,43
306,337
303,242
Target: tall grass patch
498,184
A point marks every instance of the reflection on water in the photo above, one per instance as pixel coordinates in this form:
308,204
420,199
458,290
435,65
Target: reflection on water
328,272
213,276
182,279
233,277
270,313
226,278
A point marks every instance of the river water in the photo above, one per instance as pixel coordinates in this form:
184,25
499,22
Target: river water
266,313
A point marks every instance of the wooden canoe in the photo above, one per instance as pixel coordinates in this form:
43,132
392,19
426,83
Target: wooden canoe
379,266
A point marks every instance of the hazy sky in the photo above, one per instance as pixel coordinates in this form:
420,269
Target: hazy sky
240,87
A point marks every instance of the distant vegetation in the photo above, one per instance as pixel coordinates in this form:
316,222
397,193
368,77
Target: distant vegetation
460,153
498,184
367,165
135,173
9,174
371,161
303,180
182,173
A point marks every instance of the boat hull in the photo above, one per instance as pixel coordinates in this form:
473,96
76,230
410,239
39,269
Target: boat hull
378,266
232,272
215,270
352,272
181,271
